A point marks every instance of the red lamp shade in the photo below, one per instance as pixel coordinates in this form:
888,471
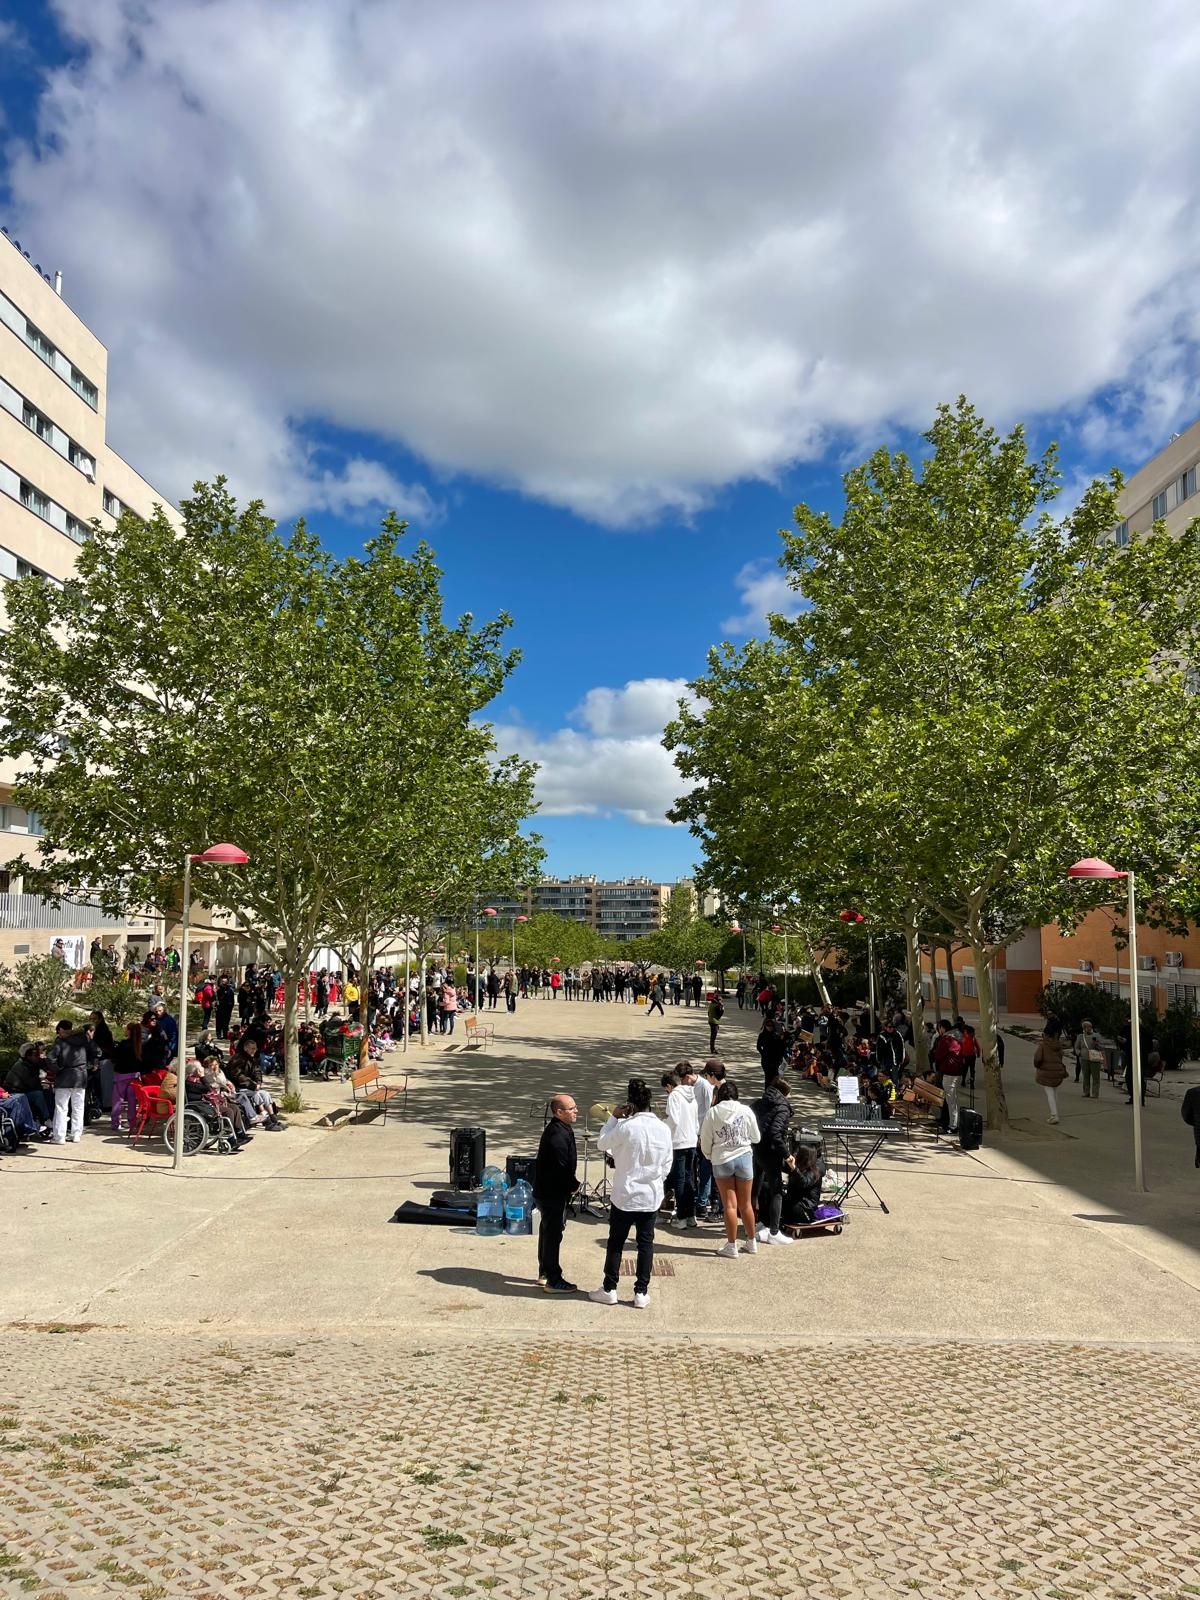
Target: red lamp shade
1093,867
521,919
775,928
222,855
851,916
736,928
699,961
489,911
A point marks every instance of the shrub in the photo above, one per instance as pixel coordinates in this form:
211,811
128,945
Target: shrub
42,987
121,1002
13,1030
460,976
1177,1036
1109,1013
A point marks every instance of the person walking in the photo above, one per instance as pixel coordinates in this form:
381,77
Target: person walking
684,1123
1048,1063
657,995
206,999
1190,1112
947,1059
639,1146
727,1138
773,1113
715,1012
772,1050
554,1182
1088,1060
73,1051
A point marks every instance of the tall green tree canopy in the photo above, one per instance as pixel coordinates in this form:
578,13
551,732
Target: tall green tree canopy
975,695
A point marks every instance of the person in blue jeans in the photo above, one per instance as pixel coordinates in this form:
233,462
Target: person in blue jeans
17,1107
704,1088
683,1121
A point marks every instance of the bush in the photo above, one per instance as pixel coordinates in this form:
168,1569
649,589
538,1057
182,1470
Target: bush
460,976
1109,1013
1177,1036
120,1002
13,1030
42,987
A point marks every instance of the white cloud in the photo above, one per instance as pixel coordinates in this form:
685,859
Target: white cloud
762,588
618,765
617,256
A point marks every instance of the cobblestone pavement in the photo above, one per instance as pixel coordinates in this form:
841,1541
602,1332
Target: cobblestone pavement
594,1468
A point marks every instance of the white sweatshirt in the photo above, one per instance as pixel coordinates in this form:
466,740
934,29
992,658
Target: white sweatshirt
641,1148
683,1117
728,1132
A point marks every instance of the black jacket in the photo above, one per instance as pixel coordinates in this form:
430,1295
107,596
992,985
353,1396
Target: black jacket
1190,1109
773,1112
554,1179
772,1047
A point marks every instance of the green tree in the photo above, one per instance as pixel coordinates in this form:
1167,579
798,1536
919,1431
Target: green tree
42,986
976,695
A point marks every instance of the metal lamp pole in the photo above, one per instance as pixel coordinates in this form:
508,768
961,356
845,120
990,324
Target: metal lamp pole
218,855
1093,867
515,920
488,911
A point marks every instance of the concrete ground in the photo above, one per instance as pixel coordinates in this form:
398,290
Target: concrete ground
988,1390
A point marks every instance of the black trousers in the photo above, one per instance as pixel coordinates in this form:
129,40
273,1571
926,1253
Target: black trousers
712,1037
767,1194
550,1234
655,1001
619,1224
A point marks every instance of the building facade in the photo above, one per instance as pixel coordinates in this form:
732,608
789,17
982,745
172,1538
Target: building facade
57,475
622,908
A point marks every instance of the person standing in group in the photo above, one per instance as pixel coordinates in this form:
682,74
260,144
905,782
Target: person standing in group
353,999
697,987
727,1138
510,991
639,1146
224,1004
947,1059
683,1121
773,1113
1088,1060
206,999
127,1065
715,1012
657,995
772,1049
1048,1063
554,1182
73,1051
449,1004
703,1089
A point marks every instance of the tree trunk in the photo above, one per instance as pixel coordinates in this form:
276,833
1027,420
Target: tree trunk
423,1012
292,977
997,1104
367,948
916,1000
953,977
815,968
935,986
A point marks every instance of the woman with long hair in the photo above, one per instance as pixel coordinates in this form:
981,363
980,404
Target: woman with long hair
727,1138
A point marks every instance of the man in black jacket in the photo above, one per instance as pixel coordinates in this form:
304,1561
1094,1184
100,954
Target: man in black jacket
554,1182
1190,1112
773,1113
772,1048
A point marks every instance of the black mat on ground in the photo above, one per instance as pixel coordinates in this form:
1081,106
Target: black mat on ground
439,1216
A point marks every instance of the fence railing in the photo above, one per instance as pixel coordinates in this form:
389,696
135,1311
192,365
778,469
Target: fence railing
31,911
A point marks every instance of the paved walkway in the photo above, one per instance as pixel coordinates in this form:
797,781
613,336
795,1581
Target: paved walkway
990,1391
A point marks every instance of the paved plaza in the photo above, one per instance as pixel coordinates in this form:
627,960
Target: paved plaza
248,1381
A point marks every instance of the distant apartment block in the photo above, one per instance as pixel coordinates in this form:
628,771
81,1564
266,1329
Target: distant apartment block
623,908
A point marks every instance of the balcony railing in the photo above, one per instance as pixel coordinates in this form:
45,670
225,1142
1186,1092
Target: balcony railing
31,911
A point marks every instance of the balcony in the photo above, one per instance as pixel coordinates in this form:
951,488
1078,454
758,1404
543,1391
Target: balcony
31,911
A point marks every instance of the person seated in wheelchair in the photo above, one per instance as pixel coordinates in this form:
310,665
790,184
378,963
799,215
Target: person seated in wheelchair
245,1081
804,1171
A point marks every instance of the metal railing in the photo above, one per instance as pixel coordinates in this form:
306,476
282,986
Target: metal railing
31,911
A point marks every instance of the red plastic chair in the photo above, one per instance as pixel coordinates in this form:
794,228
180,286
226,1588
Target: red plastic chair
151,1107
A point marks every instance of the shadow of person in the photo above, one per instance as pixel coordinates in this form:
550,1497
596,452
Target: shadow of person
483,1282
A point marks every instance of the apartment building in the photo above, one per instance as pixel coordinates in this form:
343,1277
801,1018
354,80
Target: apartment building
622,908
57,475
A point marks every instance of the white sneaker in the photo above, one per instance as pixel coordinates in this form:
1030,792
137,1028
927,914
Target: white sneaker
751,1247
780,1238
641,1301
678,1223
1052,1119
603,1297
729,1248
762,1235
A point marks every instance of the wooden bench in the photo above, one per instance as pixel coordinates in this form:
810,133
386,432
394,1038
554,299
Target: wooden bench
370,1090
477,1033
922,1104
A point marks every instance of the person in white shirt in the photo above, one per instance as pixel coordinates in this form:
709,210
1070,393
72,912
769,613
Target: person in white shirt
639,1146
704,1088
683,1119
727,1137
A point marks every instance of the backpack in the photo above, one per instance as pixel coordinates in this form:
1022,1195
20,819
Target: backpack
10,1139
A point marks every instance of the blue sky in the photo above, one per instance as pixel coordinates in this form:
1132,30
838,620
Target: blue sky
597,294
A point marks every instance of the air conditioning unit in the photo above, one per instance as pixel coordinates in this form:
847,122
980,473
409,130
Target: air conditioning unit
1147,964
1085,966
1174,958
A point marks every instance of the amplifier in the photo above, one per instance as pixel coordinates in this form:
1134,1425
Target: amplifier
517,1167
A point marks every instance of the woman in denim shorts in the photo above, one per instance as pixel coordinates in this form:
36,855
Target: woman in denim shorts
727,1138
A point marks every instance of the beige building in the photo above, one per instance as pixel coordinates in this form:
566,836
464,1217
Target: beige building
57,474
1164,489
621,908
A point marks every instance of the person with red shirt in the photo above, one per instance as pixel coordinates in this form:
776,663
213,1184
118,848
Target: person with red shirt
947,1059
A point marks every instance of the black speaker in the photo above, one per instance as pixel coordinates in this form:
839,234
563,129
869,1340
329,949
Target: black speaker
468,1151
970,1129
517,1167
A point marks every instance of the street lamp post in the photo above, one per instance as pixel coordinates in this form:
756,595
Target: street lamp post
515,920
217,855
488,911
1092,867
786,968
737,928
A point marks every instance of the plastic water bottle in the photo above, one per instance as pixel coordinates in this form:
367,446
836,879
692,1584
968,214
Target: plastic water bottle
514,1211
489,1212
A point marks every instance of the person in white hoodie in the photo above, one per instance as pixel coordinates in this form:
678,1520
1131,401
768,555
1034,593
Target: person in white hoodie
683,1119
639,1146
727,1138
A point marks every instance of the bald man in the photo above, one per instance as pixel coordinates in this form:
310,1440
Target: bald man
554,1182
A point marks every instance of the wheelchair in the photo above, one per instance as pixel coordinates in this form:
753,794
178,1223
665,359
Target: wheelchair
204,1128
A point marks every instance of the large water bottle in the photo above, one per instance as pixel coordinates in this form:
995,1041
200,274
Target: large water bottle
518,1208
489,1212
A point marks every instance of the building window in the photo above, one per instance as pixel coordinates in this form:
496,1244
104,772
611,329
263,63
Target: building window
14,820
1187,486
1121,535
84,387
79,531
34,420
5,883
39,344
111,504
966,985
1159,506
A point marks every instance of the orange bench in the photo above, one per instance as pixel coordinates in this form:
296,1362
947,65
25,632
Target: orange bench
370,1090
